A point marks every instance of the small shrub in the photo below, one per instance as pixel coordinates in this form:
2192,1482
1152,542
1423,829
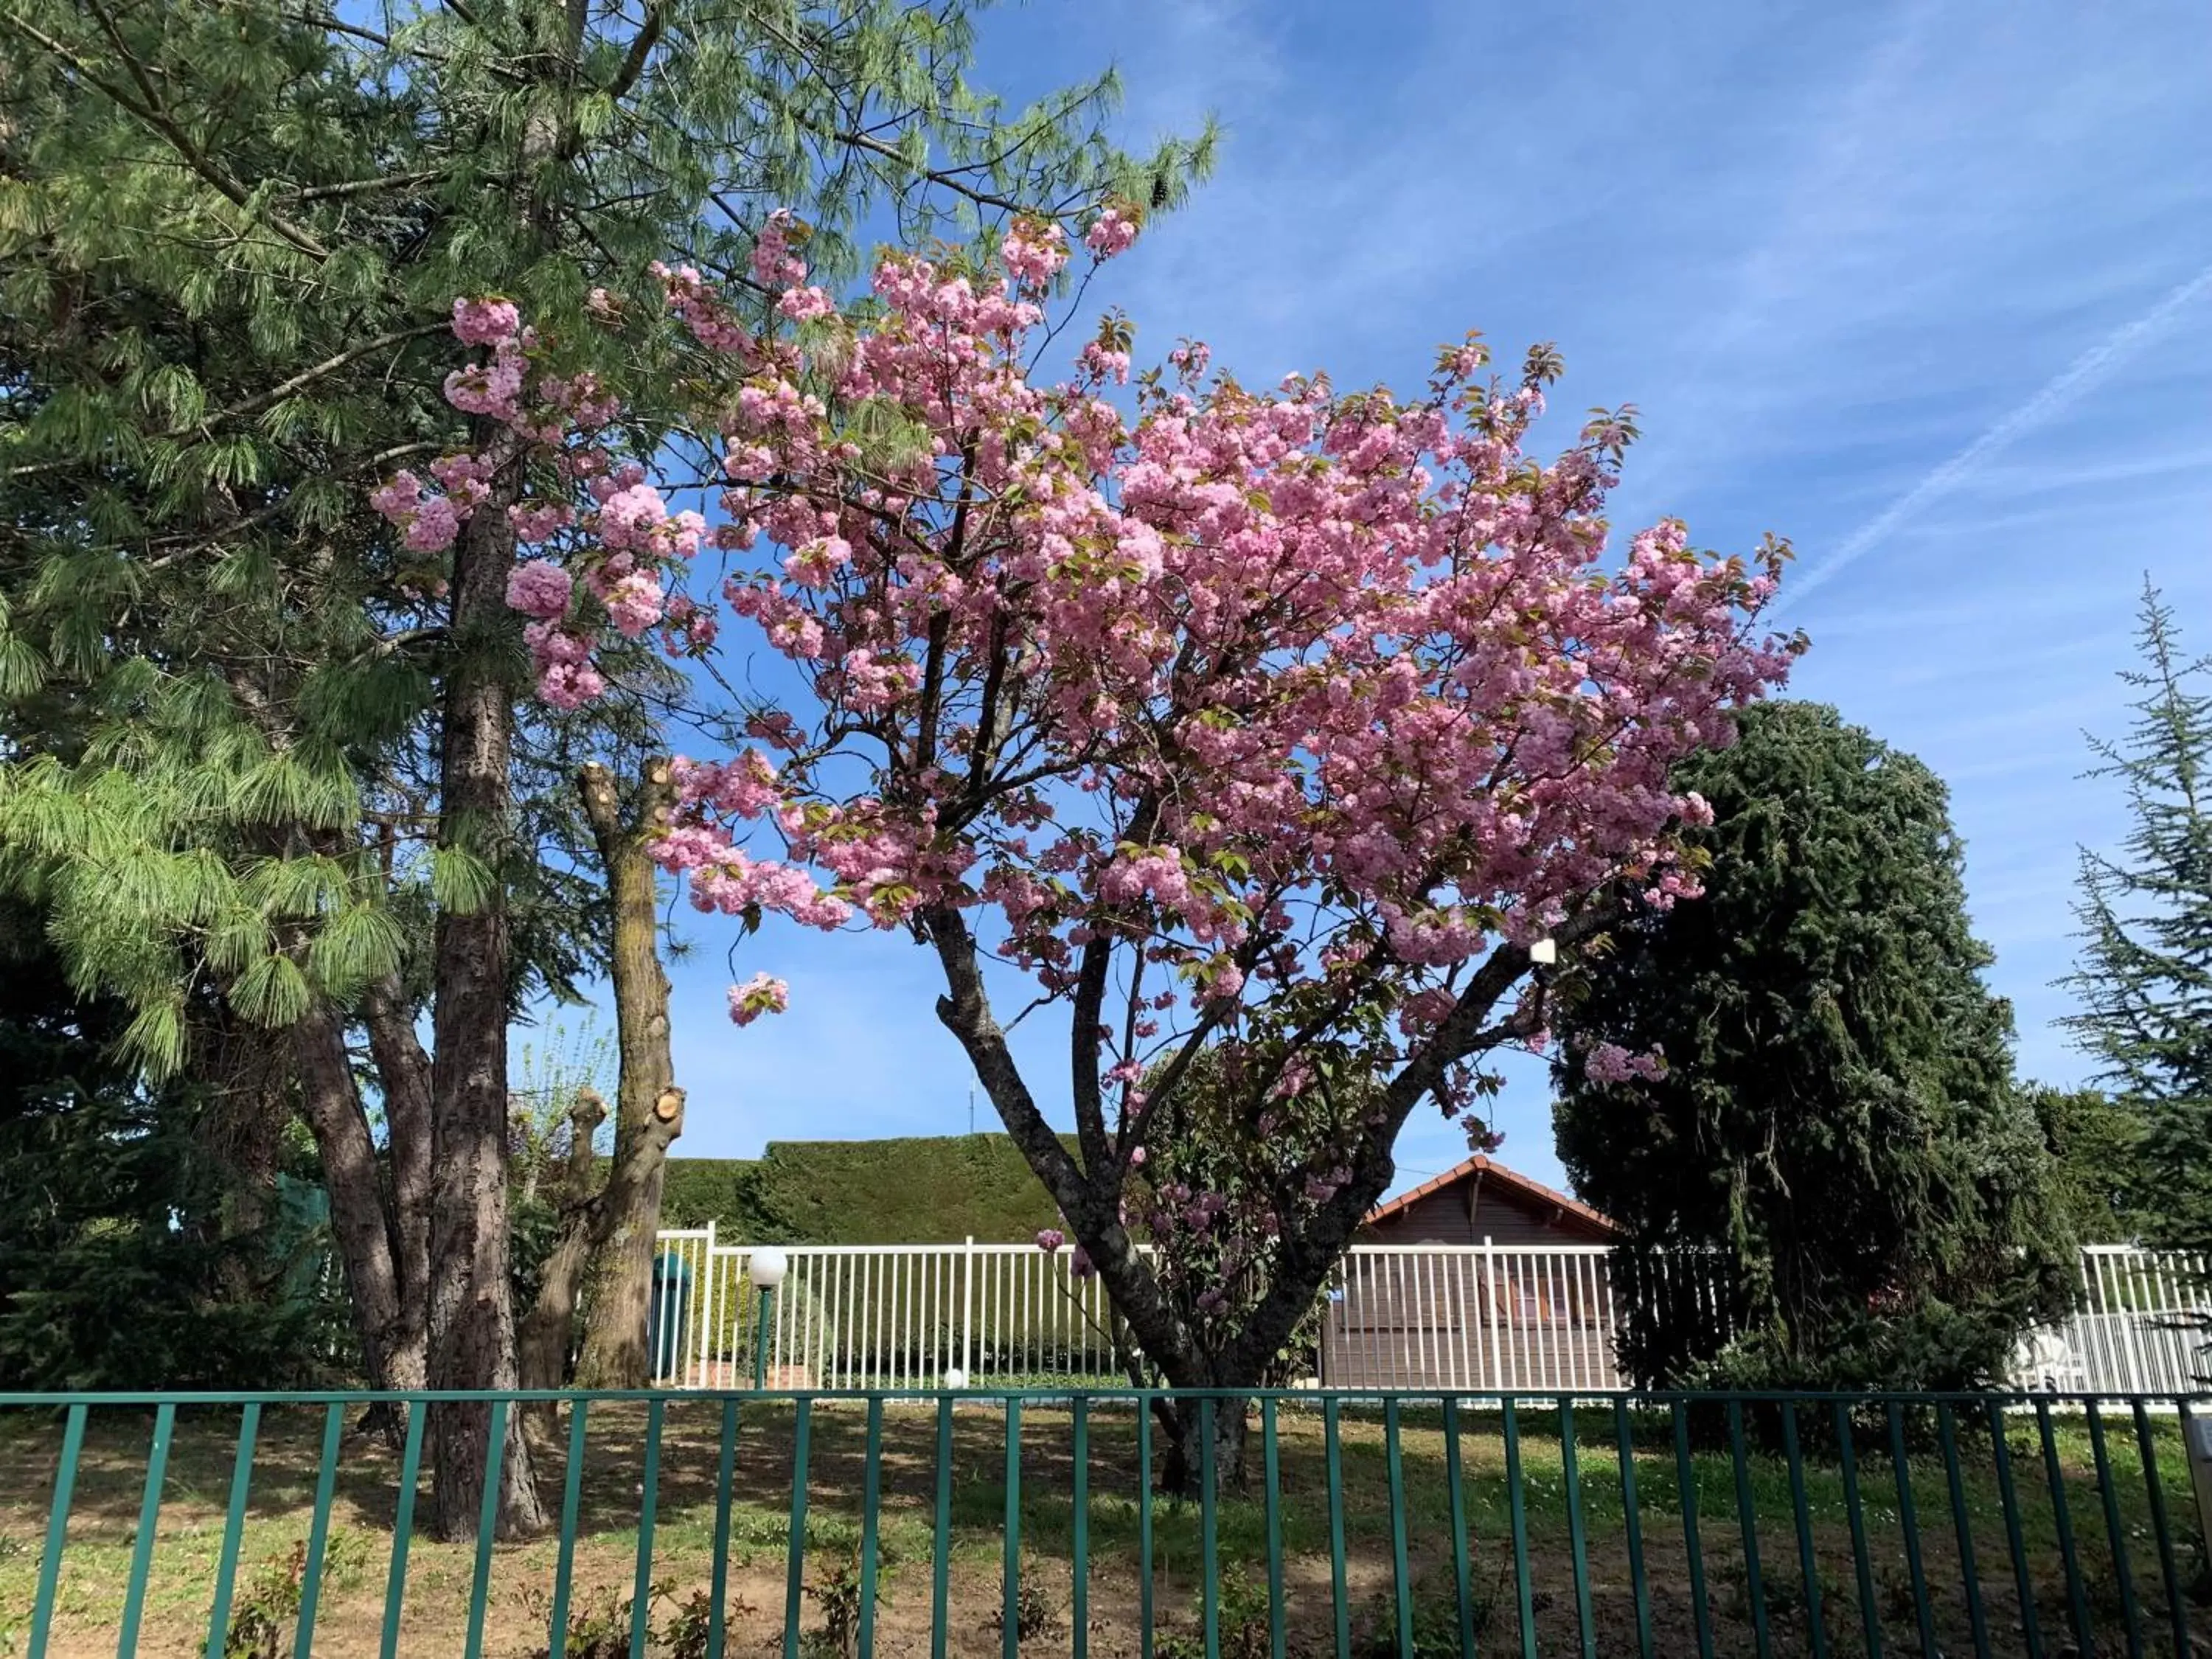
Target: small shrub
1243,1622
265,1614
1436,1619
1036,1612
599,1624
836,1591
684,1635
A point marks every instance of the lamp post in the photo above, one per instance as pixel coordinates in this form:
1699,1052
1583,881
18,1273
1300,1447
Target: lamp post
766,1267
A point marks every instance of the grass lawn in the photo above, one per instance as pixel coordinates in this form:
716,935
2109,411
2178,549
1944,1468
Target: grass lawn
110,1490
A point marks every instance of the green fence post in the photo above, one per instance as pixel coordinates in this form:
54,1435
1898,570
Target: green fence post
1808,1561
794,1555
1686,1475
1331,1431
487,1528
150,1516
2061,1520
1079,1610
2023,1570
1908,1524
1209,1521
233,1528
2117,1532
871,1498
402,1527
1754,1582
319,1532
1517,1509
941,1562
2176,1608
648,1513
1462,1569
1570,1470
1847,1456
1969,1574
572,1500
726,1479
50,1564
1276,1636
1639,1586
1402,1573
1010,1581
1144,1526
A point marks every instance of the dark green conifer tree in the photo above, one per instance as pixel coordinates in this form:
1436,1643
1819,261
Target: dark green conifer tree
1836,1123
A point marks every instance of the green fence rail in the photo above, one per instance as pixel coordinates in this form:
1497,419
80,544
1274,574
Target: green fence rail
690,1524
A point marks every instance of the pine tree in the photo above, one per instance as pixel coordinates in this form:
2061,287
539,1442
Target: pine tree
230,232
1836,1119
2145,978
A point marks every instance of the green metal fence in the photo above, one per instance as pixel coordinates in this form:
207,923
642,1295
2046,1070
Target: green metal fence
1024,1523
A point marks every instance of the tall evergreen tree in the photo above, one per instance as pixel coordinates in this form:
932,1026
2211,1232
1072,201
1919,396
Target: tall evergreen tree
2145,977
1831,1110
231,232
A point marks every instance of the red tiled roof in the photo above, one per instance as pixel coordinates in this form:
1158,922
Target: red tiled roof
1490,1169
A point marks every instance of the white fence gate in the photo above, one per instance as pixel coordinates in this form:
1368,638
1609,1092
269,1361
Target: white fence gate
1417,1316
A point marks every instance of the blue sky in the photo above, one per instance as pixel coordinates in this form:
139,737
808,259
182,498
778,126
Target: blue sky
1926,287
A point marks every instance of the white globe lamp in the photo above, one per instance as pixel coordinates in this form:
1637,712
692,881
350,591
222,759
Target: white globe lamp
766,1267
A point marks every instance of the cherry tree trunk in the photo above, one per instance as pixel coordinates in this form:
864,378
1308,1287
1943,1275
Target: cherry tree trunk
1183,1468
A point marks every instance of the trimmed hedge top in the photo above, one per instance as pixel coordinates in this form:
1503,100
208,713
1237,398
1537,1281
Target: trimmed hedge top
934,1189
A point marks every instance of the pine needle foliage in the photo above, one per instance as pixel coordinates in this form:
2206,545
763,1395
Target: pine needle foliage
2145,910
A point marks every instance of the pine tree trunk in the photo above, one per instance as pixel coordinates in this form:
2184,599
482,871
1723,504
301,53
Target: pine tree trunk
648,1106
471,1313
331,1105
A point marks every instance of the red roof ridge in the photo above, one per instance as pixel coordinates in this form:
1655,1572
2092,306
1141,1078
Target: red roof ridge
1482,1164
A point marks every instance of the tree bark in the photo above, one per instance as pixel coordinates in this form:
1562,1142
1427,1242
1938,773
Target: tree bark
471,1313
1183,1471
404,1071
330,1103
648,1106
547,1333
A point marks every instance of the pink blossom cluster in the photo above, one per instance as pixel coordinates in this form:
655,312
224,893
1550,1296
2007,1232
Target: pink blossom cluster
427,523
759,995
1112,232
1608,1062
563,659
1034,252
490,320
540,590
1105,362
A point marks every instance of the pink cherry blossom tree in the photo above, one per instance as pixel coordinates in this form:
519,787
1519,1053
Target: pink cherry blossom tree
1271,728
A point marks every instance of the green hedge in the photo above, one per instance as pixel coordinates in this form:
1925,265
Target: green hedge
920,1190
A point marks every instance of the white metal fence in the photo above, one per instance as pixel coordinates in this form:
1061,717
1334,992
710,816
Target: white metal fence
1398,1317
880,1316
2143,1326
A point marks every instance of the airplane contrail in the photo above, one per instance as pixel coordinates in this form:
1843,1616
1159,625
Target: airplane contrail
2055,395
